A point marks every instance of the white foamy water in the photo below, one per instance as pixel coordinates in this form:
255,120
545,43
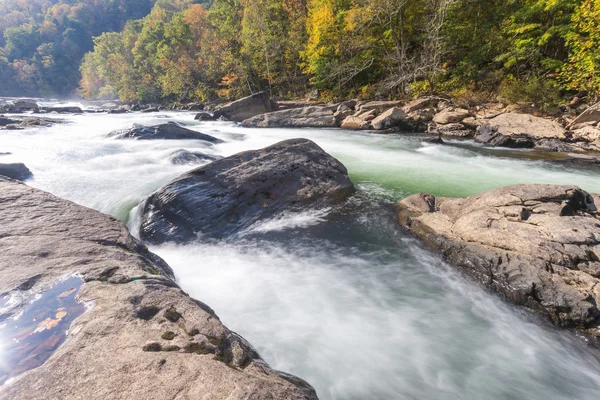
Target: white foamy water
357,308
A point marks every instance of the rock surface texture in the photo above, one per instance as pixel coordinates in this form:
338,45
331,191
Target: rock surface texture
305,117
518,131
536,245
168,131
142,337
247,107
230,194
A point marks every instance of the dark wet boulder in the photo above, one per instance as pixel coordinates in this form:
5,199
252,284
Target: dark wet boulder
63,110
4,121
21,106
247,107
536,245
168,131
228,195
17,171
183,157
205,116
132,303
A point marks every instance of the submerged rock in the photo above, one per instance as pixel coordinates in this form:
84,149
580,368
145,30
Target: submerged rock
518,131
306,117
536,245
169,131
182,157
245,108
230,194
63,110
17,171
115,350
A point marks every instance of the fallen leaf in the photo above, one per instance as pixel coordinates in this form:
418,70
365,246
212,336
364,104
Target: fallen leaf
61,314
48,323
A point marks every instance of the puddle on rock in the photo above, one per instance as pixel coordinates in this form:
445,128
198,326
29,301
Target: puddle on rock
30,338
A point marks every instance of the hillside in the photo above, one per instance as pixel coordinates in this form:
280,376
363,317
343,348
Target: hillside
42,42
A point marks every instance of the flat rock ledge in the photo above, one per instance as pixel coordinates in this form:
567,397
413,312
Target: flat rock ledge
536,245
228,195
142,337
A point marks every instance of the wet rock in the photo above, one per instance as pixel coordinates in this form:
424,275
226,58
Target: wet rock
168,131
205,116
230,194
63,110
433,140
21,106
536,245
8,121
518,131
391,118
16,171
306,117
183,157
49,238
449,116
248,107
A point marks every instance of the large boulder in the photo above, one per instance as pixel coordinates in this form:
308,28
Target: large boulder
518,131
140,337
4,121
230,194
592,114
586,134
536,245
205,116
17,171
306,117
168,131
391,118
248,107
63,110
450,115
359,121
21,106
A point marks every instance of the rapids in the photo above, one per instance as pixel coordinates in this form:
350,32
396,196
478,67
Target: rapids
353,305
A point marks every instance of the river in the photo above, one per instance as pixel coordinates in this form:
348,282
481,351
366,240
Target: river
353,305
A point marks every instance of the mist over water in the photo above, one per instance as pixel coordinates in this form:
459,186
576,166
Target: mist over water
349,303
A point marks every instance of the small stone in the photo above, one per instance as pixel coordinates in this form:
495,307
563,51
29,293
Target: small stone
168,335
152,347
172,315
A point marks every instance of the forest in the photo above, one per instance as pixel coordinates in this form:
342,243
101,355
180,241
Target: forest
176,51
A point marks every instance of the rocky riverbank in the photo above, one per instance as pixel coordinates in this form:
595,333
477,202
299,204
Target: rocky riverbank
536,245
139,336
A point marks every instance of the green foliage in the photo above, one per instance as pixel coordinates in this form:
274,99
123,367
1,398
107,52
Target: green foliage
582,72
540,93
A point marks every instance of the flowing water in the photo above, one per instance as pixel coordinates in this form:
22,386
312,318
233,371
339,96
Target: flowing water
351,304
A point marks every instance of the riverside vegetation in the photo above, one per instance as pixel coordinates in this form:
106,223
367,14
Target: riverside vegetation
527,50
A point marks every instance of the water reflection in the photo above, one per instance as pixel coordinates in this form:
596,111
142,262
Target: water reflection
29,339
